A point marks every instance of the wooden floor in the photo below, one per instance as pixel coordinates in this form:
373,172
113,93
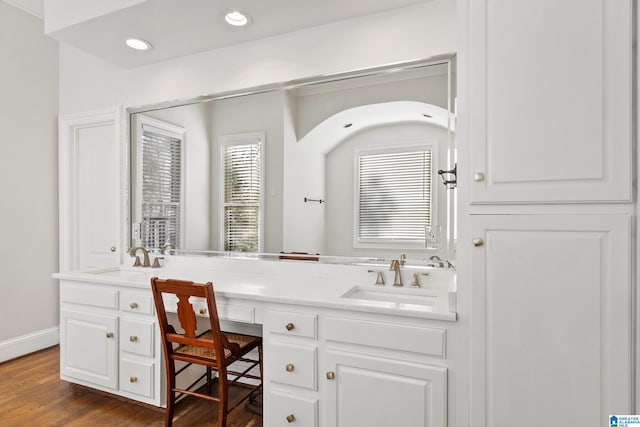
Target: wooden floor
32,394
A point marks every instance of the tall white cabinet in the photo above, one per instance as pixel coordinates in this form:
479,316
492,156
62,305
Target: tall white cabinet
91,161
545,134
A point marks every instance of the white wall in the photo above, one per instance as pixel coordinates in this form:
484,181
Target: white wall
255,113
340,186
415,32
28,169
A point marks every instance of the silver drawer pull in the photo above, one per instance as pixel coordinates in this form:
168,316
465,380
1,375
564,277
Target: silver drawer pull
289,367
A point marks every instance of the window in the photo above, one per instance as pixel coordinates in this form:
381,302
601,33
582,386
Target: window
394,195
160,183
242,193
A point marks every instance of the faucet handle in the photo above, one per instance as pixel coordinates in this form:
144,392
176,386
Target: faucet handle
137,262
416,279
156,262
379,278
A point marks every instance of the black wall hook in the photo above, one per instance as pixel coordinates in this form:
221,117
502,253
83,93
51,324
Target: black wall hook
448,182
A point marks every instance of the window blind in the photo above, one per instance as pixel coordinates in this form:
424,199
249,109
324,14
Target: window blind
242,195
161,189
394,195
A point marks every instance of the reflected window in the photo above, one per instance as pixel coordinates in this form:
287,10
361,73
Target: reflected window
161,182
394,195
242,200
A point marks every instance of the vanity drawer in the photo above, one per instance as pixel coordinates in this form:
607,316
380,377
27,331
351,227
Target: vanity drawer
292,323
293,364
136,302
231,312
137,377
416,339
136,336
287,410
103,297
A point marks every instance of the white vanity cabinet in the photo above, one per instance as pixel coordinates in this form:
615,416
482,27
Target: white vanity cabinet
108,340
89,334
291,367
543,332
380,372
550,100
340,369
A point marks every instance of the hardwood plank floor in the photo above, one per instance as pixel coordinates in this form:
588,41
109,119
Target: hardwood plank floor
32,394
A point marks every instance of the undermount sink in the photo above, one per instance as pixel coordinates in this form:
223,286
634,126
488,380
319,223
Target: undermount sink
139,275
395,297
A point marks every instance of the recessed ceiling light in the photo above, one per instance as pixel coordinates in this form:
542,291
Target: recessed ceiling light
138,44
236,18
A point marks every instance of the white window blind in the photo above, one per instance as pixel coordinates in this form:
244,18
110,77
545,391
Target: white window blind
242,197
394,190
161,189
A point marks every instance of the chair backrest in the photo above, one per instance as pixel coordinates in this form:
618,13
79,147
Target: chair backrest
183,290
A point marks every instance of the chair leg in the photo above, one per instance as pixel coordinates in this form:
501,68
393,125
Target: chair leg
209,380
224,398
260,360
171,396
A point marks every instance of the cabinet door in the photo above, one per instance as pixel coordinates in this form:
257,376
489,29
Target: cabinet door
88,347
550,100
90,189
378,392
550,320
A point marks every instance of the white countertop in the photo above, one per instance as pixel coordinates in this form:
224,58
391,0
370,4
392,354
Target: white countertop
280,288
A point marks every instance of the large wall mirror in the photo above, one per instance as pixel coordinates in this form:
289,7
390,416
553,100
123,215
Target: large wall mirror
344,166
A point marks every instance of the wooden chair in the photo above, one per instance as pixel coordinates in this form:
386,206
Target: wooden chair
214,349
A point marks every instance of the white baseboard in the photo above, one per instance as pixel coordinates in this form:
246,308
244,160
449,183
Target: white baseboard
25,344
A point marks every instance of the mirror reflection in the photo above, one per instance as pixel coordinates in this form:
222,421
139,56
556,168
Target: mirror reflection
346,166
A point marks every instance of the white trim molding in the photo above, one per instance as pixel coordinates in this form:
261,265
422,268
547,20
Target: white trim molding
25,344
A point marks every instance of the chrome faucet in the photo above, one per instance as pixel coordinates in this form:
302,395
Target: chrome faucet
145,253
395,266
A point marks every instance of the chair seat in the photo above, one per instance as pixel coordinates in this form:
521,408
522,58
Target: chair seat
246,343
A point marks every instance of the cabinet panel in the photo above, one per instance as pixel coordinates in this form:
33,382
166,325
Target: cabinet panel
289,410
415,339
551,100
293,364
137,377
377,392
89,349
136,302
136,336
291,323
550,320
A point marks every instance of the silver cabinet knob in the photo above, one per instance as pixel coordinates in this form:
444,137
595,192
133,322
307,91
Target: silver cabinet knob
113,248
478,242
291,418
478,176
133,305
289,367
290,326
330,375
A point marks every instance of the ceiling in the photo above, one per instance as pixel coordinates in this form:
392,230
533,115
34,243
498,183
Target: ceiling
178,27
